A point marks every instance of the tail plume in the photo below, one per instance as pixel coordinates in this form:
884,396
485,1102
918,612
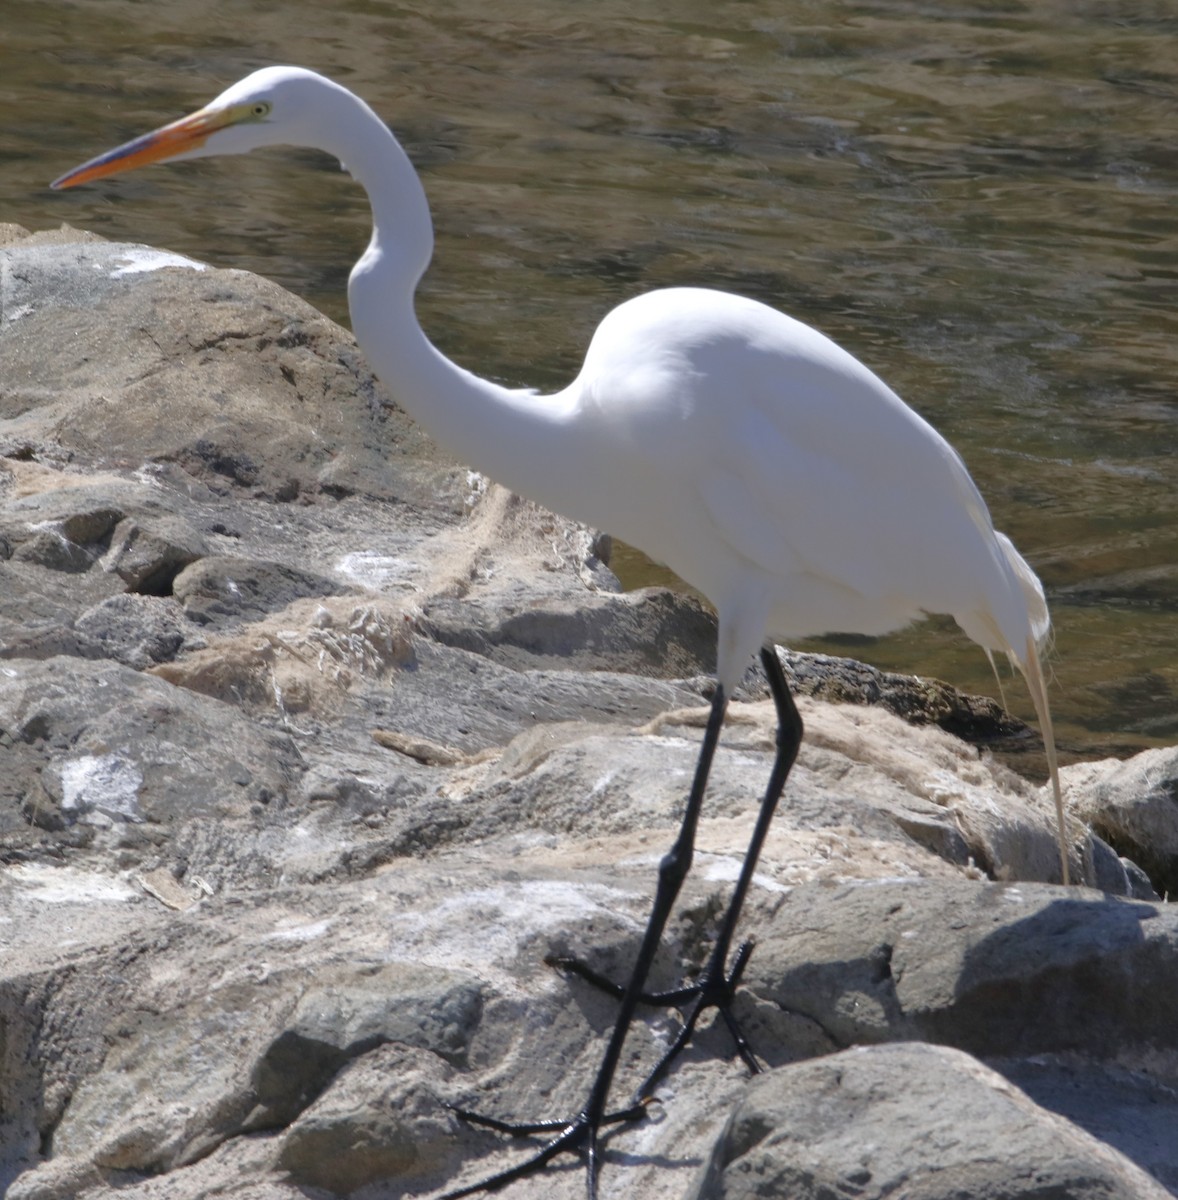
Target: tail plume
1033,672
985,629
1032,669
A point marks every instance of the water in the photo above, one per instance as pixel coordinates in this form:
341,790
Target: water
977,199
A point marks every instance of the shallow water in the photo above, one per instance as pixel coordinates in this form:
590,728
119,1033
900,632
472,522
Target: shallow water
976,199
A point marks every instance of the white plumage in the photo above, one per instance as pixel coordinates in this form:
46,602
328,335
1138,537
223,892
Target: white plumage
761,462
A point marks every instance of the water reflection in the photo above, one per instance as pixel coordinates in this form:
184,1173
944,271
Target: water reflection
975,198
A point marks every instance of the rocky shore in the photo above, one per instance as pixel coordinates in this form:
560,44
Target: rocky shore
315,745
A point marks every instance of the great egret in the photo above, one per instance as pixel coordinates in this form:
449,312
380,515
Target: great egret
748,452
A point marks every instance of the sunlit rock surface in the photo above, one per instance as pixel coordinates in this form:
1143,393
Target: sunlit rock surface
315,745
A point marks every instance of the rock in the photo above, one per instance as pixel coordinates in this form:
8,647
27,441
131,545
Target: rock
380,1125
316,747
141,765
136,630
911,1120
225,590
340,1020
273,400
47,548
148,558
920,701
1130,1110
45,506
1133,806
997,970
653,633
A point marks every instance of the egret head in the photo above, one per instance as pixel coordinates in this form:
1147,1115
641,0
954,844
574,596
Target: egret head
276,105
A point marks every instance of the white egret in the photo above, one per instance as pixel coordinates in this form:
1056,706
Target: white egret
761,462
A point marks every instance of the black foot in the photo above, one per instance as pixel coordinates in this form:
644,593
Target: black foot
716,989
579,1136
580,968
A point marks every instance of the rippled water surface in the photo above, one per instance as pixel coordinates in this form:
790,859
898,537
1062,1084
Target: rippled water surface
978,200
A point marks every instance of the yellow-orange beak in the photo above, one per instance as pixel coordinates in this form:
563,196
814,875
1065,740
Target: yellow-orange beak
189,133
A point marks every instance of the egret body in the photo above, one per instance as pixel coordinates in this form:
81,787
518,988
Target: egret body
760,461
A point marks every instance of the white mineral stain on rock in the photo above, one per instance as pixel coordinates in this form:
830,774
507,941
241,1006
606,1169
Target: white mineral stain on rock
138,259
67,885
102,783
300,933
482,926
373,570
725,868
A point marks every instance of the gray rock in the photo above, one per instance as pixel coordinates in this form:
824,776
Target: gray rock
996,970
135,630
315,747
434,1010
656,633
48,548
1130,1110
147,557
137,759
907,1120
379,1125
223,590
920,701
1133,806
79,516
274,398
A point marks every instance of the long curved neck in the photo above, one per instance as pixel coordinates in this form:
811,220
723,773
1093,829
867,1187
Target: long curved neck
517,438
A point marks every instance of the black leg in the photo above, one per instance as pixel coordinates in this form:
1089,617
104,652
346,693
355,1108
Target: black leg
717,985
580,1135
